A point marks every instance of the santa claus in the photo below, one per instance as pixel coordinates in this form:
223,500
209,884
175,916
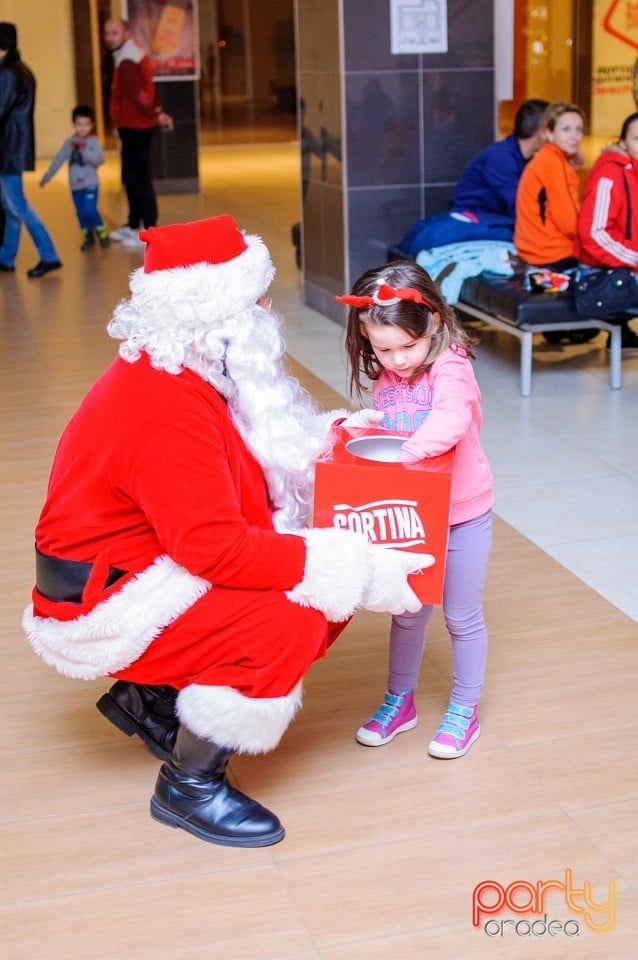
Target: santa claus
173,551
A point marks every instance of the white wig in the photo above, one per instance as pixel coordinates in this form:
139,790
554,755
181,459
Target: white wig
206,318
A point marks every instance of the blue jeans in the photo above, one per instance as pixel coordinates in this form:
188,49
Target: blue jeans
85,201
19,212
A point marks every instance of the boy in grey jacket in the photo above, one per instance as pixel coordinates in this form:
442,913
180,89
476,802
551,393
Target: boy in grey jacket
84,153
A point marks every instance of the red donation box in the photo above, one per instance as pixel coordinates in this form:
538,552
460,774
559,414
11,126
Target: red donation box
361,486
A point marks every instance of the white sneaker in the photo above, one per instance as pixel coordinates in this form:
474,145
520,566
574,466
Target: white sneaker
133,242
123,234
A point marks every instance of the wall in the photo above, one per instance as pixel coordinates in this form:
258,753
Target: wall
273,49
384,136
322,174
614,60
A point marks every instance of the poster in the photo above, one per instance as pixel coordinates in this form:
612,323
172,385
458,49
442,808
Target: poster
614,58
168,34
418,26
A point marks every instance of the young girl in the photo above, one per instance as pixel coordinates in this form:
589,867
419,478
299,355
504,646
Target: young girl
404,338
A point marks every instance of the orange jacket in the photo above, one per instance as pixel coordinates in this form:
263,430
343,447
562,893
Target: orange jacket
547,206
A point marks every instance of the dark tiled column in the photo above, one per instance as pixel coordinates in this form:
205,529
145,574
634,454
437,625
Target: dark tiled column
174,154
384,136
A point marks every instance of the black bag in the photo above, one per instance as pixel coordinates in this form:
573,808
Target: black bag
604,292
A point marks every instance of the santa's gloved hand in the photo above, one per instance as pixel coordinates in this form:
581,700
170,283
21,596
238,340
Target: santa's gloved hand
388,590
364,418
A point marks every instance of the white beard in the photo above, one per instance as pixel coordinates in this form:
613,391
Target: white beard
242,358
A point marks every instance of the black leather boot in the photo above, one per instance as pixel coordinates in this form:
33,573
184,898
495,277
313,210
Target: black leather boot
146,711
192,792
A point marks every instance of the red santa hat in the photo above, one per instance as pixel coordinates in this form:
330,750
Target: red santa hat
208,261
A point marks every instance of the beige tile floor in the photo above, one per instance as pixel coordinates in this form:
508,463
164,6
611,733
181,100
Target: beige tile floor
383,847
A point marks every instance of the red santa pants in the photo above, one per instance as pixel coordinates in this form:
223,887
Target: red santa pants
256,641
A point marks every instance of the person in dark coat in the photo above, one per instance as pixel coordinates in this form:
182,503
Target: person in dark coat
17,154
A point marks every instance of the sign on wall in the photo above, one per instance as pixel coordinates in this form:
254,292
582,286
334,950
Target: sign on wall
614,64
418,26
168,34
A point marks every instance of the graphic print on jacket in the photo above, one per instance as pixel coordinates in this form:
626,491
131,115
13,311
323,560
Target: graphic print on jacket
417,396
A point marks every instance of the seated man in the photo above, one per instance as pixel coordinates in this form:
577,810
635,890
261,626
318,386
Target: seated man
483,205
489,182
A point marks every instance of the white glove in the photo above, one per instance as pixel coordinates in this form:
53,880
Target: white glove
364,418
388,590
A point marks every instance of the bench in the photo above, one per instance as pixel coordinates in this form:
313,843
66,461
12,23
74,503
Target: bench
504,303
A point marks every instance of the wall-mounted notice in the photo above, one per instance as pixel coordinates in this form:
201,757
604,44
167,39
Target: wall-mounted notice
418,26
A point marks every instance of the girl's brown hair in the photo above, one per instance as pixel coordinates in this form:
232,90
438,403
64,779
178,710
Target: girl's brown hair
415,318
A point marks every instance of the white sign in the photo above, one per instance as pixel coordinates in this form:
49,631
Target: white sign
418,26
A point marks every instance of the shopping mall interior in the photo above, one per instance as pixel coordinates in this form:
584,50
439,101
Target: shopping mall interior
384,848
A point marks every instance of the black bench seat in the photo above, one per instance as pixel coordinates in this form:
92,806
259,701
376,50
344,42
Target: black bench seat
503,302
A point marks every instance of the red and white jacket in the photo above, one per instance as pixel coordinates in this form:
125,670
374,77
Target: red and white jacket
133,100
608,220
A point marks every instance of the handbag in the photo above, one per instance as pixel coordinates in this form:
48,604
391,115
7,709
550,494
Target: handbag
604,292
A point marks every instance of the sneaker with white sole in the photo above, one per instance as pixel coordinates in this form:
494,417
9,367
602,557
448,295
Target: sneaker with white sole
134,242
457,732
396,714
124,234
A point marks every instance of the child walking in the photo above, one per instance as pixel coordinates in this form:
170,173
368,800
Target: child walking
404,338
84,153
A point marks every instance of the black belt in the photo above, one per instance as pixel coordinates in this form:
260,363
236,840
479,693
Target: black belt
64,580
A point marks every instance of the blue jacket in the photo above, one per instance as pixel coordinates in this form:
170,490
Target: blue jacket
488,183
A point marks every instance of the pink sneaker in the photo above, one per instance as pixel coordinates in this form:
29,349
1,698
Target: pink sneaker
396,714
457,732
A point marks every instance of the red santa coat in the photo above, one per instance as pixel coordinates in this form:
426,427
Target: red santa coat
152,476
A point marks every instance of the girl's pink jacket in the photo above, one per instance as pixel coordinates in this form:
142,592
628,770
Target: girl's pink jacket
442,409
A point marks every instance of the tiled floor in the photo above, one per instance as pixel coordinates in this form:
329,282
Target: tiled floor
384,847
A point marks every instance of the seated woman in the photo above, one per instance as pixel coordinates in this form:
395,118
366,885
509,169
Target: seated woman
608,220
547,199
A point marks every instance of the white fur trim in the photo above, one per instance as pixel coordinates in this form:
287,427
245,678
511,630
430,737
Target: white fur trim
338,570
118,630
226,717
128,51
226,288
326,419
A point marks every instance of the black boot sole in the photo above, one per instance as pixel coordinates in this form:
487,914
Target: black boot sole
169,819
109,709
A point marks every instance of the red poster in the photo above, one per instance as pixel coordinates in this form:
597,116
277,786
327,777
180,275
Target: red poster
168,34
621,21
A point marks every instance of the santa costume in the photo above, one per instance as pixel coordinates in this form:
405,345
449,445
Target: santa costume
173,553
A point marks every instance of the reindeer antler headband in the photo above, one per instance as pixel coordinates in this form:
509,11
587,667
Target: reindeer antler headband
385,296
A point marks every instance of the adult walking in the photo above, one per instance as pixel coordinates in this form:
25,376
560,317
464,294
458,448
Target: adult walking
135,111
17,154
